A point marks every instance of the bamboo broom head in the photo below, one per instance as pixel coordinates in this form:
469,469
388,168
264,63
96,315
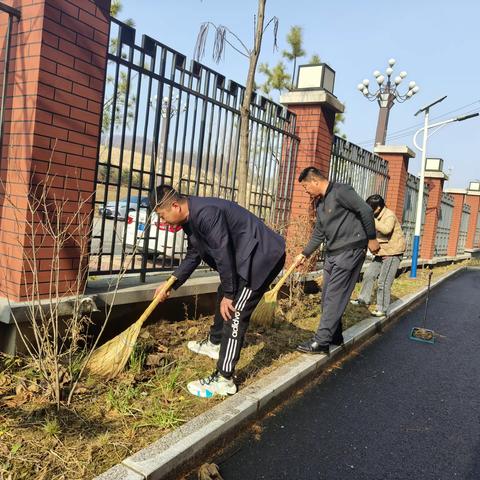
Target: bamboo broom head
110,359
264,313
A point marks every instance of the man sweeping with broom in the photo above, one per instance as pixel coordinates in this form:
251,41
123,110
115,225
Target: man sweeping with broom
247,255
345,224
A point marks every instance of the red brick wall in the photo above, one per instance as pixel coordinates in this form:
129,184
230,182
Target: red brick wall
315,129
397,184
431,217
474,202
456,222
55,94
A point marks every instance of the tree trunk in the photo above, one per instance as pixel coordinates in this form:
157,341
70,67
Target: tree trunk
294,71
245,109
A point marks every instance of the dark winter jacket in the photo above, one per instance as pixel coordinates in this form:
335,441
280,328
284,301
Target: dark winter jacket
232,241
344,221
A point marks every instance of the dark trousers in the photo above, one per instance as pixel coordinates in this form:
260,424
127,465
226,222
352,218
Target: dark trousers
230,334
340,274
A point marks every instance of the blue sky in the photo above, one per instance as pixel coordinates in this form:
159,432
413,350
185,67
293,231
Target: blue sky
436,42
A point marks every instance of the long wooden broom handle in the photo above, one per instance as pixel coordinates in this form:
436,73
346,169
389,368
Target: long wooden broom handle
156,300
280,283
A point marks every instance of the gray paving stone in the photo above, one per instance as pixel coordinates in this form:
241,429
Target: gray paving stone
120,472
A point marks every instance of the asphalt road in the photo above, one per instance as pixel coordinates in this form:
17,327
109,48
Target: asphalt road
399,410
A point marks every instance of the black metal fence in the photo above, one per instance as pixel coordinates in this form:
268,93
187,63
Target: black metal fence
168,122
462,235
444,225
7,17
366,172
476,238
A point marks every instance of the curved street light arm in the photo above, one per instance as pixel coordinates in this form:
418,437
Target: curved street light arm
437,127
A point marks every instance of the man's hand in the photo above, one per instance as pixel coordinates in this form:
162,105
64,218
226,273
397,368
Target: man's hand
373,245
300,259
162,293
226,308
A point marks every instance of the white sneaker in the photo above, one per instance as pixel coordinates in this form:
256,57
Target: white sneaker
205,347
215,384
357,302
378,313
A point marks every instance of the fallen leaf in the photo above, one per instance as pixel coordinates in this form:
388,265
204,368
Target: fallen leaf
33,387
209,471
162,348
154,359
192,331
4,381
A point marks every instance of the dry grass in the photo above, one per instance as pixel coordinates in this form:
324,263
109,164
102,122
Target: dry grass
109,421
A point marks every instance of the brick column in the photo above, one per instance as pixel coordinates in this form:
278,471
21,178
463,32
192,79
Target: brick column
435,181
397,157
315,111
54,98
472,199
458,195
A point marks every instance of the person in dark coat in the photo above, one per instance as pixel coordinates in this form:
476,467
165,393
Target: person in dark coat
345,224
247,255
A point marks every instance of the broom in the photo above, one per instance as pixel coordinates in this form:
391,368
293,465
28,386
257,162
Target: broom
422,334
264,312
110,359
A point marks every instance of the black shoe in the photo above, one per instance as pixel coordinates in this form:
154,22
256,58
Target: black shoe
312,346
337,340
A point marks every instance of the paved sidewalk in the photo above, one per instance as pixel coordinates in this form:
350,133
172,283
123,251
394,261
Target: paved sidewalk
399,410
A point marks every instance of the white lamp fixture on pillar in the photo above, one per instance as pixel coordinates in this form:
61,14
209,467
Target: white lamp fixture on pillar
474,186
434,165
315,77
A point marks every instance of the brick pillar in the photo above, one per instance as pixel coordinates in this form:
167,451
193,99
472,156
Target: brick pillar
435,181
55,95
397,157
472,199
315,111
458,195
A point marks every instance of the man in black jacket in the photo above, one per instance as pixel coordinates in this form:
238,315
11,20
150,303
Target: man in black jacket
247,256
345,224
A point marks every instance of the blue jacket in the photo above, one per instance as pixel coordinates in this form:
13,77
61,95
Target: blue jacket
232,241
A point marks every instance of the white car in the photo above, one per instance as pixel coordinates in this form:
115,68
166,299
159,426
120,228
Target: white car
170,239
112,209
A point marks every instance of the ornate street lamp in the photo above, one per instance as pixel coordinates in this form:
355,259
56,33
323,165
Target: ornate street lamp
386,95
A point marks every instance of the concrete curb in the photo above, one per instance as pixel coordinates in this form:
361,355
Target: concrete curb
178,448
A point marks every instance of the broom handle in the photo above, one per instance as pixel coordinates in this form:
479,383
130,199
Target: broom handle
426,300
156,300
280,283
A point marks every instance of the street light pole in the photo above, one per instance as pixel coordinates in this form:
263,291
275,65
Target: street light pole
421,188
